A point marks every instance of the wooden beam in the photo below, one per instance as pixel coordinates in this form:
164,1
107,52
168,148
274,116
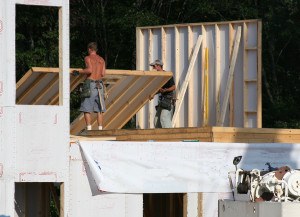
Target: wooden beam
139,49
202,85
119,96
75,81
163,45
231,100
187,78
217,70
151,114
24,78
32,87
199,24
62,199
43,92
185,202
259,94
200,204
177,64
191,85
141,64
206,90
221,119
118,100
245,76
121,117
109,72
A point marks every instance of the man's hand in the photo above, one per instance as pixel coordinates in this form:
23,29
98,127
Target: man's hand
75,73
161,90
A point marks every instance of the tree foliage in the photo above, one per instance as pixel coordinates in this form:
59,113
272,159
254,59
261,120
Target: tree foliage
112,24
36,38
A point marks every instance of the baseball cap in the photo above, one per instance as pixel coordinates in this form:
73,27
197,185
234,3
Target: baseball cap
157,62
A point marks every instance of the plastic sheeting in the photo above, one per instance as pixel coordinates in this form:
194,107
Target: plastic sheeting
173,167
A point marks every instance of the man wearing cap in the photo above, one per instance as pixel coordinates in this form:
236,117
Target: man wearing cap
165,107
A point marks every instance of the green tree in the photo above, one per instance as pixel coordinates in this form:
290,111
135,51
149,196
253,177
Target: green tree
112,24
36,38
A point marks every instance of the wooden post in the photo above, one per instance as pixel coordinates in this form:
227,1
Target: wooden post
191,115
221,118
151,114
217,69
177,66
206,90
259,94
187,78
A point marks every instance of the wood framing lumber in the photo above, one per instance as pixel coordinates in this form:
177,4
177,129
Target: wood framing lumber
221,118
259,63
175,42
197,24
40,86
128,96
177,62
206,90
191,86
31,88
217,69
151,58
41,95
203,134
231,99
245,76
187,78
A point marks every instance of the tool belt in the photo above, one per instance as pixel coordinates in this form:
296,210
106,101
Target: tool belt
85,90
166,102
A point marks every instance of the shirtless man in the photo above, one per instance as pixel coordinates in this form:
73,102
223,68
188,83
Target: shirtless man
94,71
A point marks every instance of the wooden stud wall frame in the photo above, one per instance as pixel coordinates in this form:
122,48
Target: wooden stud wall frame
234,75
127,90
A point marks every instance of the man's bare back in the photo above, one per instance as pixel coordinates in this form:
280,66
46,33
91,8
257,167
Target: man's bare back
94,70
96,65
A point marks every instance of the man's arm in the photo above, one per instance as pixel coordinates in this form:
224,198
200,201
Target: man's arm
88,66
170,89
86,70
103,69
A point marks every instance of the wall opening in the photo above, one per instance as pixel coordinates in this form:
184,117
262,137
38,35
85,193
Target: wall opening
162,205
37,45
37,199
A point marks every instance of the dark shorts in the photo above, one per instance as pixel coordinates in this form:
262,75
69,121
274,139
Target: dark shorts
93,103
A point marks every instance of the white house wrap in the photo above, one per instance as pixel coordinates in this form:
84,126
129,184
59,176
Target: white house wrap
172,167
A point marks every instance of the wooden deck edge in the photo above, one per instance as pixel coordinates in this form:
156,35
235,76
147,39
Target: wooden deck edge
203,134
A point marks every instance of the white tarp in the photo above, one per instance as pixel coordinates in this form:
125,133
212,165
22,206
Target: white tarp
172,167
